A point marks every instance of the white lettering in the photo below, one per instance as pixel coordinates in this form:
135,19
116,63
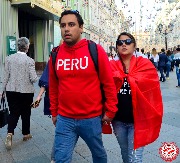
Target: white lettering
125,90
86,58
75,63
70,64
60,63
67,64
125,83
121,90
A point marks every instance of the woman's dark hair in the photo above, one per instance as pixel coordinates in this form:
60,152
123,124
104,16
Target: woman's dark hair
129,35
74,12
134,41
168,53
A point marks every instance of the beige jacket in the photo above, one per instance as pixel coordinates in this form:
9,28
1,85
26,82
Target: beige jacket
19,73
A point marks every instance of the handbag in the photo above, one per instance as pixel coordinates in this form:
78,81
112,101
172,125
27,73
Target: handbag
106,128
4,112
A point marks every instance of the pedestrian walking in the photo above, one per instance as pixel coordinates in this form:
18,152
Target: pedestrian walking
154,58
177,65
168,64
75,94
19,76
138,120
162,64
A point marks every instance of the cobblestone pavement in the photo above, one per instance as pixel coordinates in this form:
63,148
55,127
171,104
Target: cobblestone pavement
38,149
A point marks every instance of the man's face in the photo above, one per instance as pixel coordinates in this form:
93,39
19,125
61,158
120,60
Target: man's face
70,29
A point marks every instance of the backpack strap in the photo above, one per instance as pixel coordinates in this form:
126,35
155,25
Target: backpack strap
92,46
54,53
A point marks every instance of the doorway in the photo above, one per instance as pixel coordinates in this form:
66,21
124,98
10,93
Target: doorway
26,28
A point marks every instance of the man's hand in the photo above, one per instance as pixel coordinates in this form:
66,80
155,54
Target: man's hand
54,119
106,118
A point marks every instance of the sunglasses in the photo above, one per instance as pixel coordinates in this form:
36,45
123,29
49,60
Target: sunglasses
121,42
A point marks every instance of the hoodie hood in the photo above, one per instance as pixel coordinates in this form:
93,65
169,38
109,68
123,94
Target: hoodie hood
78,45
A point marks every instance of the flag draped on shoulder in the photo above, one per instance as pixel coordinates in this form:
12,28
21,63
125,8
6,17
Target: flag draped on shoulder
146,98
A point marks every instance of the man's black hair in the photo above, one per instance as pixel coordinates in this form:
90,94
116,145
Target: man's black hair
74,12
142,50
163,50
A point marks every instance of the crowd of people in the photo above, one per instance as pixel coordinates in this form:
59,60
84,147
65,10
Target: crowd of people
80,97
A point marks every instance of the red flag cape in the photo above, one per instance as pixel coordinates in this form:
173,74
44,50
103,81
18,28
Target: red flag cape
146,98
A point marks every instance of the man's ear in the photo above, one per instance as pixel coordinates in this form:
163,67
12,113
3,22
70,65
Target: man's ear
82,30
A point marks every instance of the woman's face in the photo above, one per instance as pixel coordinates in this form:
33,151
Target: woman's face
125,46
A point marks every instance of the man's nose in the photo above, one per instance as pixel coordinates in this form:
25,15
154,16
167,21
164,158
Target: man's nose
66,28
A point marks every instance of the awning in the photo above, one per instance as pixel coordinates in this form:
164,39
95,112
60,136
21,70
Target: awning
40,8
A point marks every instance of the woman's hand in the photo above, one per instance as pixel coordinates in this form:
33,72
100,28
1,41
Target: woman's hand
35,104
106,118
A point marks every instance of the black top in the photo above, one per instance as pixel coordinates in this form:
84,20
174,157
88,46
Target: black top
125,109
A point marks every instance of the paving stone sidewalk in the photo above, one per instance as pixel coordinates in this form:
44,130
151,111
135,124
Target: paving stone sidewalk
38,149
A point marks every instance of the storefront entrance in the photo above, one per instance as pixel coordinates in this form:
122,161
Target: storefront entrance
26,22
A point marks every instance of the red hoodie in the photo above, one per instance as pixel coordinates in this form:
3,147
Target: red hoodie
76,93
146,98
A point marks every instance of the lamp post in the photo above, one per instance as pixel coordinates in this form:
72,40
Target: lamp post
165,30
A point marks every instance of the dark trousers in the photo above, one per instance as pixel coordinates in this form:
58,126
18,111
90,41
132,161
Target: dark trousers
19,105
161,69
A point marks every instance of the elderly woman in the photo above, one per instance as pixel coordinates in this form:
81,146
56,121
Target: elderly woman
138,120
19,76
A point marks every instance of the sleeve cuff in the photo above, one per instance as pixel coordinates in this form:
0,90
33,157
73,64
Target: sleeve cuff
110,114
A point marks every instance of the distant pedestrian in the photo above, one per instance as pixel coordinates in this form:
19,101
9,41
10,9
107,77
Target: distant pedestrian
162,64
154,58
168,63
177,64
75,94
138,120
19,76
172,57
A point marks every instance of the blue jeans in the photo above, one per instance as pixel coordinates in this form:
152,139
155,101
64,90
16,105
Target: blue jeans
125,136
67,133
178,75
162,77
156,65
168,67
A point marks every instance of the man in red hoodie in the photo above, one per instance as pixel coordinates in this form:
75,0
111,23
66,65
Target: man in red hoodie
75,95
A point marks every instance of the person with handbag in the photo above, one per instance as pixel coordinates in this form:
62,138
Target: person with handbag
19,76
138,120
4,111
76,101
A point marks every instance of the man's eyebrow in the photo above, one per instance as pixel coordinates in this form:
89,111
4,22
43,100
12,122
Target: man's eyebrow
69,23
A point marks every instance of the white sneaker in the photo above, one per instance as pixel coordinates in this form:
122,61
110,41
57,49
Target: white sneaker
8,142
52,161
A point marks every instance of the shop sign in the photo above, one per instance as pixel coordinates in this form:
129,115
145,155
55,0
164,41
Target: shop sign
11,45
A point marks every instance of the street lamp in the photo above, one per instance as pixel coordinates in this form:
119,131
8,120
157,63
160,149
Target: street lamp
165,30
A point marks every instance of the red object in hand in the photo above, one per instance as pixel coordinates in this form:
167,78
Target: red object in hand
106,128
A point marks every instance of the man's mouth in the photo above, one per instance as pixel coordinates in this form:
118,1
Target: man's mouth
67,35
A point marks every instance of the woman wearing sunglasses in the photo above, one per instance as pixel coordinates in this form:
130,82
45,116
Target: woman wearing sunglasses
138,120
